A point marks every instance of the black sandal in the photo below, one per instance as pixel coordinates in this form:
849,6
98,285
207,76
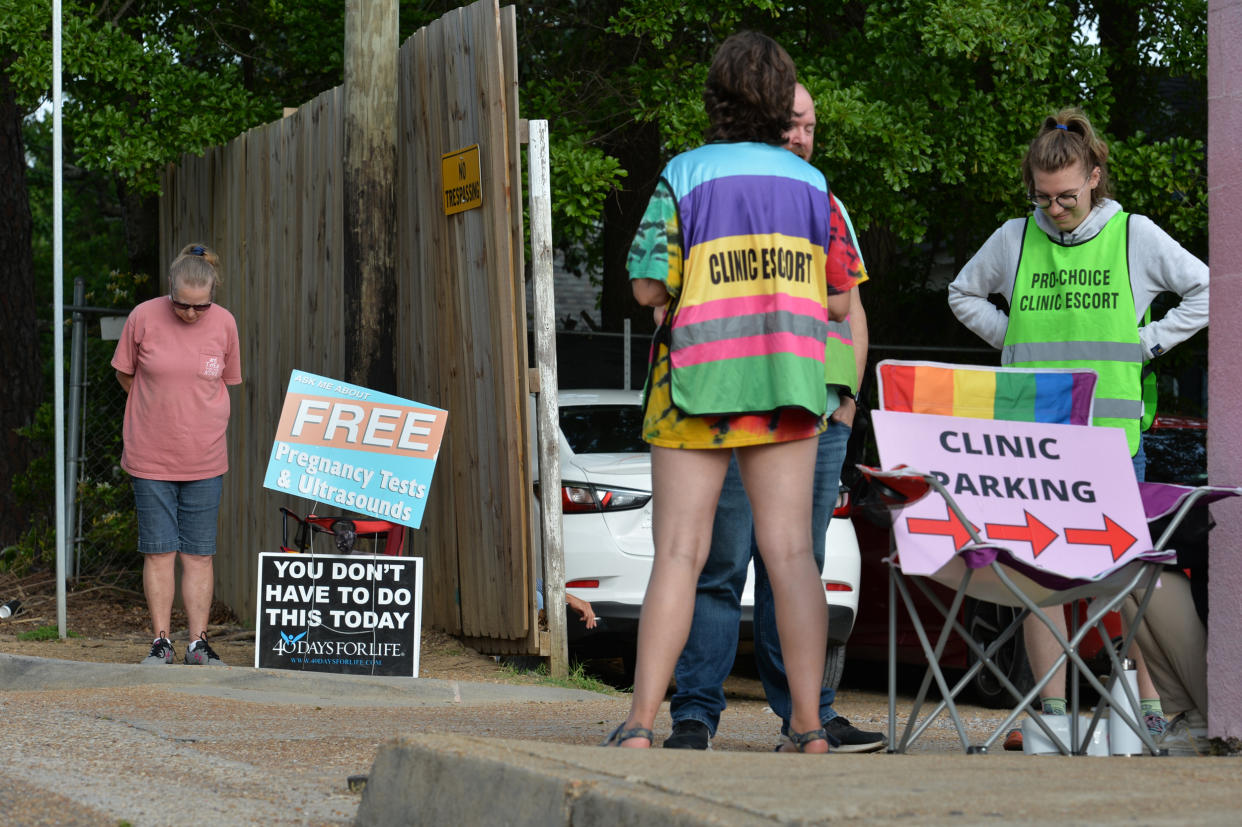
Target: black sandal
622,734
801,739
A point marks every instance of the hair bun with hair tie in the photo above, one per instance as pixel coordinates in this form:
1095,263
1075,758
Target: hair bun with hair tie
198,251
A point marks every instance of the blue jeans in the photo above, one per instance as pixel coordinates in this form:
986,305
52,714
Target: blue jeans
707,658
1140,462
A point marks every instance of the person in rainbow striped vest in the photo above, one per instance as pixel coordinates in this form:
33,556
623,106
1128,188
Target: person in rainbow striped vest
707,658
1078,276
743,248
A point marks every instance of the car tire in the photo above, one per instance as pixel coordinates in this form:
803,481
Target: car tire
834,666
985,621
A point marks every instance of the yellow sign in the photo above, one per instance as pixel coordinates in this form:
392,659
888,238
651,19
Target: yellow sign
459,172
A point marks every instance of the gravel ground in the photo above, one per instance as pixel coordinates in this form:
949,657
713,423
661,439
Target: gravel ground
159,754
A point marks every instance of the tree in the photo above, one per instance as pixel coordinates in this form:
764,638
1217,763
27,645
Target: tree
129,107
924,106
19,358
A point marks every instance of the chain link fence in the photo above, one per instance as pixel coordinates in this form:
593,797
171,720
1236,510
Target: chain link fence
99,499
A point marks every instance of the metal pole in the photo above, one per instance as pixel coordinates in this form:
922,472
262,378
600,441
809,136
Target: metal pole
77,360
626,339
58,323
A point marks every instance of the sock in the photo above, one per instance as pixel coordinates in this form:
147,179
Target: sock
1054,706
1151,706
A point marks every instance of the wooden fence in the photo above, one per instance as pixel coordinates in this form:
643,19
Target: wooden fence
271,203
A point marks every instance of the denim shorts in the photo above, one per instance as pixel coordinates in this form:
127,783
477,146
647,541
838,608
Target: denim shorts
177,515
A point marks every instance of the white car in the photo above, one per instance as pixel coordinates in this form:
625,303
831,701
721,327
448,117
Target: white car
606,499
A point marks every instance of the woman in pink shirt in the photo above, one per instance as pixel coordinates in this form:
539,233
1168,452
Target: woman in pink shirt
176,355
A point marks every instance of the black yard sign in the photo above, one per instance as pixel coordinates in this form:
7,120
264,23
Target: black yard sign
350,614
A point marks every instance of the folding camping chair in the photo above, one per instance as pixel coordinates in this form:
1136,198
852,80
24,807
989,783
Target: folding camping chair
1052,400
344,531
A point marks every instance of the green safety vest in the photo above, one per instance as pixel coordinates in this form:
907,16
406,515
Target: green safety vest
1072,307
1151,391
839,367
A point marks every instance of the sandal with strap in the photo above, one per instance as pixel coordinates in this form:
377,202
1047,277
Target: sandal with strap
620,734
801,739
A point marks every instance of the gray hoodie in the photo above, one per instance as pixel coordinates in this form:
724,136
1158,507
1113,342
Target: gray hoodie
1157,264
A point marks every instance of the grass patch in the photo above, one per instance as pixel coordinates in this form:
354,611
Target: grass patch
44,633
578,678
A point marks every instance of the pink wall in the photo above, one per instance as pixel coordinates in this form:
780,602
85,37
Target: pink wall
1225,362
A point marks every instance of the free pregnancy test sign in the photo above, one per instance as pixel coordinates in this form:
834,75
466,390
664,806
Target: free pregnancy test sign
355,448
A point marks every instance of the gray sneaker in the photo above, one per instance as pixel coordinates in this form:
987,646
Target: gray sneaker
200,653
161,653
1181,741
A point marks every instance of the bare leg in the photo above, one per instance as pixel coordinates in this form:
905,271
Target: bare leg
197,583
778,480
685,485
1043,650
159,583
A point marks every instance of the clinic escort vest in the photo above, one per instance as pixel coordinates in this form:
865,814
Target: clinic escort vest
749,326
1072,307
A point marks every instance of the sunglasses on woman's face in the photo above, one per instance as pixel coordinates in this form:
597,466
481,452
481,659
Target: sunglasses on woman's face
183,306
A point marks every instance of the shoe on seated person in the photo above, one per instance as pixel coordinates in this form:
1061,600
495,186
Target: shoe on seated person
689,734
1013,741
1180,739
845,737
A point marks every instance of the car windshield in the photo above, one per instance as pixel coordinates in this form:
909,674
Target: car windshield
604,429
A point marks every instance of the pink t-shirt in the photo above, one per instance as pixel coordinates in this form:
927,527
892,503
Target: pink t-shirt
178,406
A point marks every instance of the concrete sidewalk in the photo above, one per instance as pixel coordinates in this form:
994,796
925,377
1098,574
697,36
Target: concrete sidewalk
102,743
439,780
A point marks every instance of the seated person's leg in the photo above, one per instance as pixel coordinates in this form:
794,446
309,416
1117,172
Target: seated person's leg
1043,650
1174,645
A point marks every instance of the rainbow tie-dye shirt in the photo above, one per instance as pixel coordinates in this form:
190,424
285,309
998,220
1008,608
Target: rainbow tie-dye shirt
746,239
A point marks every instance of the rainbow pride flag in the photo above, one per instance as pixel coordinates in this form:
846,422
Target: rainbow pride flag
1060,395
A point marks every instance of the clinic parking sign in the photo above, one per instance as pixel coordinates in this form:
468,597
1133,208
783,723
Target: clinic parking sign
350,614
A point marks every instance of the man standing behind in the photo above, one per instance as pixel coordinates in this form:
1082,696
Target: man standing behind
708,655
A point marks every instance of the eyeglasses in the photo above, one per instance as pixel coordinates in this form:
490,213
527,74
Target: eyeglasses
183,306
1067,201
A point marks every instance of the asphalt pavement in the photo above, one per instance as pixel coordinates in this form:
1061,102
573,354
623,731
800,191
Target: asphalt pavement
87,743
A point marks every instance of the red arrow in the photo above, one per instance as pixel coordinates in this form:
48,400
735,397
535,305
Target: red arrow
1112,535
952,527
1034,532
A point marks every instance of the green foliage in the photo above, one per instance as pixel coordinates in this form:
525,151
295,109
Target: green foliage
1167,182
582,176
925,108
131,102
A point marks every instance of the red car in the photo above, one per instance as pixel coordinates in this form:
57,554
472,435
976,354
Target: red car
1176,452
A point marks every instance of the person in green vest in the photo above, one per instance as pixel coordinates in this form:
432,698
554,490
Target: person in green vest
1078,276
